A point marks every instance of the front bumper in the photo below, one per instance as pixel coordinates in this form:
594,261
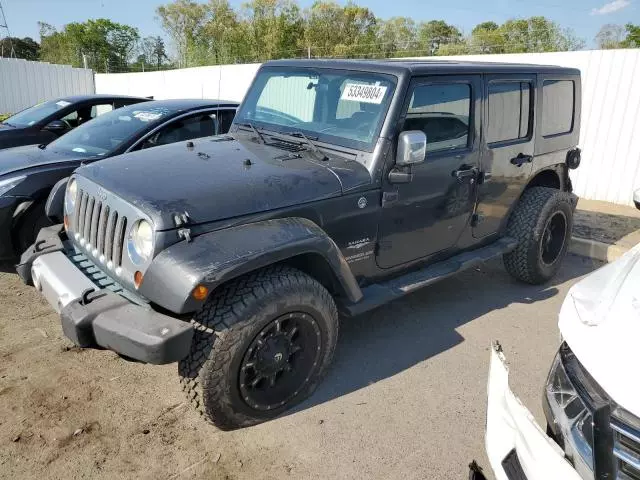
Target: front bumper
94,318
518,449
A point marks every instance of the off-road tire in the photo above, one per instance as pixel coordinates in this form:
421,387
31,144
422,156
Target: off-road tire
28,227
230,321
527,225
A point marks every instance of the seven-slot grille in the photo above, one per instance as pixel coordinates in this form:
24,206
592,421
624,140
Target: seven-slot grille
99,228
626,449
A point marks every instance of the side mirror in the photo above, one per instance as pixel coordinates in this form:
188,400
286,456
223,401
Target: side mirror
412,148
636,198
57,126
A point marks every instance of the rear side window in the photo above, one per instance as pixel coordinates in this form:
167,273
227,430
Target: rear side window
509,111
558,99
442,112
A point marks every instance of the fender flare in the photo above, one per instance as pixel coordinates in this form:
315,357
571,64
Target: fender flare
54,207
214,258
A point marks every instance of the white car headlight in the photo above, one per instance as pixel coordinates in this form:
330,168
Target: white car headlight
9,183
70,196
140,245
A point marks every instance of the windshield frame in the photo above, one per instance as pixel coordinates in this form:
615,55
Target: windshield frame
256,90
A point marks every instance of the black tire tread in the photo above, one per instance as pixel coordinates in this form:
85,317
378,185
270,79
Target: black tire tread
522,226
222,324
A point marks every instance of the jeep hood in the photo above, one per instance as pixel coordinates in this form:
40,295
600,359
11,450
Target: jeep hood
600,321
13,160
219,178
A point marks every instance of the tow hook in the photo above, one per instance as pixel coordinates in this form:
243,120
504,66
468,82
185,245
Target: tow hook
89,295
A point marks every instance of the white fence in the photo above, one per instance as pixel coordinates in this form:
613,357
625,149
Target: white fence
24,83
228,82
610,130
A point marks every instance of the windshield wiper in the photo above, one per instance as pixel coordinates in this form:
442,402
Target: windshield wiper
254,130
312,145
9,124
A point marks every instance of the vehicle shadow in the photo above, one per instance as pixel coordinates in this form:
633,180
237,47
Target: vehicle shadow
399,335
8,267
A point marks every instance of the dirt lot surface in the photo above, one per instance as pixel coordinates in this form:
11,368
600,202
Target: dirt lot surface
405,398
607,223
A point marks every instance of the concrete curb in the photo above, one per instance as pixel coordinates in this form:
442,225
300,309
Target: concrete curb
596,250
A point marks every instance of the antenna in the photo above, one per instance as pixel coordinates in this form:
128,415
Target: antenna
4,27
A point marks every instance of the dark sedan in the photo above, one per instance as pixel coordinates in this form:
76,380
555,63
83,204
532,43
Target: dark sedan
47,121
27,174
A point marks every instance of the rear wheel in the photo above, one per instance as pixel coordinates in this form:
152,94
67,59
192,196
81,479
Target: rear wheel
542,223
262,344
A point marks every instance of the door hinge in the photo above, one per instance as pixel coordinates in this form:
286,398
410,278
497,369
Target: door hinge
476,219
484,177
389,198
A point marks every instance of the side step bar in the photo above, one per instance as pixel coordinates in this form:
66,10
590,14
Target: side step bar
378,294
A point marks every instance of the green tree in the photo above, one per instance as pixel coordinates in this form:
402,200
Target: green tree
436,33
103,44
184,21
26,48
398,37
486,37
610,36
226,37
274,27
57,47
151,54
336,31
633,36
537,34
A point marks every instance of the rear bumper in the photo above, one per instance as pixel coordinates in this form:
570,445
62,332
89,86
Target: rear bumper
94,318
518,449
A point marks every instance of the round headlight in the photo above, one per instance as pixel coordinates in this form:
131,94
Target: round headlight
140,241
70,195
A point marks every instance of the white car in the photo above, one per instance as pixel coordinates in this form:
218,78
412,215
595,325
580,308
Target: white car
591,398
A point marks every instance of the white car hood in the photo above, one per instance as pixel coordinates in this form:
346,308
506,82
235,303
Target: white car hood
600,321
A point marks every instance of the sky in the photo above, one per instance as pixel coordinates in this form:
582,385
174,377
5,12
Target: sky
585,17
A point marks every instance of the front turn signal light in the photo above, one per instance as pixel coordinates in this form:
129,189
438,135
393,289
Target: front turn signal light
200,293
66,222
137,279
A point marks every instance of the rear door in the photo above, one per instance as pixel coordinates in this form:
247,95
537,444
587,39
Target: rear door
507,147
429,213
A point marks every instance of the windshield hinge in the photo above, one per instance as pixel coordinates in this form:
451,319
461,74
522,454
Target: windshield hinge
185,234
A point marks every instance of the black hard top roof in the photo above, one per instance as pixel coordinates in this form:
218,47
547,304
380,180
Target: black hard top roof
422,67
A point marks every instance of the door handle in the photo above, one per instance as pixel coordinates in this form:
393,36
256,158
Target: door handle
464,173
521,159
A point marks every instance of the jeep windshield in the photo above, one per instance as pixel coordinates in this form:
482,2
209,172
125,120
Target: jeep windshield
334,106
106,133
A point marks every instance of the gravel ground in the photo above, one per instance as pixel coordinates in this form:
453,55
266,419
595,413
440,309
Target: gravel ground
405,398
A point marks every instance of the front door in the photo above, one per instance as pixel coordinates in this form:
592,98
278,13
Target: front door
507,148
428,214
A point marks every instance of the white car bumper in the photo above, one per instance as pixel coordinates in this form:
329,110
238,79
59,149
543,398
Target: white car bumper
516,445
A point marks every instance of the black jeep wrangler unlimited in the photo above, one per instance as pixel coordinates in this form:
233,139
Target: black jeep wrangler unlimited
341,186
